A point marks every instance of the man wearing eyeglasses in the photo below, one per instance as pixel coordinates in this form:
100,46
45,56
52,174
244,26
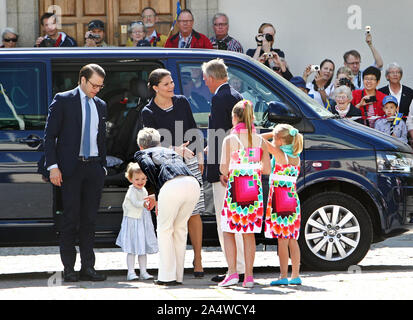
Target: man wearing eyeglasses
352,59
187,37
75,155
150,19
222,40
9,37
53,37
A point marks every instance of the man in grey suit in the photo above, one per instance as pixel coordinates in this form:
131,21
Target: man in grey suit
75,153
220,122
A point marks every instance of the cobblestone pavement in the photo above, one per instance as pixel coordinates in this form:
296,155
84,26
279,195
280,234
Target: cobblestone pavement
34,273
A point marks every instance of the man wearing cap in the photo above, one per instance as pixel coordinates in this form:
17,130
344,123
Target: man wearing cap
392,124
95,35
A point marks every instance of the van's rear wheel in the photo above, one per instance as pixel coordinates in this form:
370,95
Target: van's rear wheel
336,231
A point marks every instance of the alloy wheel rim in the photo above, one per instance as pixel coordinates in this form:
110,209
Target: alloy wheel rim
332,233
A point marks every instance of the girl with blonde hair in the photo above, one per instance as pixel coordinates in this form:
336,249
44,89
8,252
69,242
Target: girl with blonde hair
282,218
244,158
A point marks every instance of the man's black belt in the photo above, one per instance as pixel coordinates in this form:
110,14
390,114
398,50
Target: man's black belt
89,159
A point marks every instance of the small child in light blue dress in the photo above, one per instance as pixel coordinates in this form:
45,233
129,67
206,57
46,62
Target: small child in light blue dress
137,234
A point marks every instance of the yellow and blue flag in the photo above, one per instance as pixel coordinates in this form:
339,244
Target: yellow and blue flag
178,11
397,119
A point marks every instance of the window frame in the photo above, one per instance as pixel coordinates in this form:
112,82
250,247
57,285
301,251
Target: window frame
40,92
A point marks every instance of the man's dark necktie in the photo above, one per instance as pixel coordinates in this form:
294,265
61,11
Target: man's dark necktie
86,131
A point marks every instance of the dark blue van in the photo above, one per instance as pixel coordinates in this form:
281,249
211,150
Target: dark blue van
355,185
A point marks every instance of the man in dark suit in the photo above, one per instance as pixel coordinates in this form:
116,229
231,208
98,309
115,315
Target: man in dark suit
220,122
75,153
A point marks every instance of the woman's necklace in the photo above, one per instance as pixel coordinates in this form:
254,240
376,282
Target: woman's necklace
163,103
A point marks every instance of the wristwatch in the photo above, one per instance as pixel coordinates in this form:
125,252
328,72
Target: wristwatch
320,89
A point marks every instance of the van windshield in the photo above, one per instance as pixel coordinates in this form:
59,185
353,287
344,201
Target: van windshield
319,109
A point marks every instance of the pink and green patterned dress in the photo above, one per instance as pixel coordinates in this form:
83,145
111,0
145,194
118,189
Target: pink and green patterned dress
243,204
282,217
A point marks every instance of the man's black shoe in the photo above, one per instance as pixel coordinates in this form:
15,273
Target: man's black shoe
70,276
167,283
90,274
218,278
221,277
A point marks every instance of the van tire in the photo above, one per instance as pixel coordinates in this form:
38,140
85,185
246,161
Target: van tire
336,231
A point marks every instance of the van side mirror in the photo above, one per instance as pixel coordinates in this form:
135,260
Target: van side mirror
278,112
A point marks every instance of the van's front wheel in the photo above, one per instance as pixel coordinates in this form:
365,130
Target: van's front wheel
336,231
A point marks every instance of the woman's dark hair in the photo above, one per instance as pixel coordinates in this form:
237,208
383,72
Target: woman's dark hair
329,80
88,70
155,78
372,71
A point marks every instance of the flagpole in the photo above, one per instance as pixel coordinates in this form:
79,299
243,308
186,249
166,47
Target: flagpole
178,11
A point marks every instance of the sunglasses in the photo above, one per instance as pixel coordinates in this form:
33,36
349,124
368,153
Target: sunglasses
12,39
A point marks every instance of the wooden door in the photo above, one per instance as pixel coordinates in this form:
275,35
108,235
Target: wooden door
116,14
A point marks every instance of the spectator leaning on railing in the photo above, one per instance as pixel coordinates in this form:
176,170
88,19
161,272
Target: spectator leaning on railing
343,106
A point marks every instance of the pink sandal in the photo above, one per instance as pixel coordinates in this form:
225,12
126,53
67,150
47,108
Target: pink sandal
229,280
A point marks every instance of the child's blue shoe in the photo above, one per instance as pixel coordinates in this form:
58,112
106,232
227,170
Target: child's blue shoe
295,281
279,282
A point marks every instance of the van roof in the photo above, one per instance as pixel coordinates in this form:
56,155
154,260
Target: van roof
117,51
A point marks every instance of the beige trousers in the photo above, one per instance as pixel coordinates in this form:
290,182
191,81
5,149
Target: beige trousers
176,201
219,196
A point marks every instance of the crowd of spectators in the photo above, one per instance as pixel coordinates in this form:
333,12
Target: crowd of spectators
353,93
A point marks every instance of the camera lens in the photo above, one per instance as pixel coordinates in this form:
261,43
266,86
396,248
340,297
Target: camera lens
269,37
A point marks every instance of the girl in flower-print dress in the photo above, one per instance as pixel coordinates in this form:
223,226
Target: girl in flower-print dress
244,158
282,217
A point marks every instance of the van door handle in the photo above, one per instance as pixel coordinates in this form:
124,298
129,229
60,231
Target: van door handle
32,140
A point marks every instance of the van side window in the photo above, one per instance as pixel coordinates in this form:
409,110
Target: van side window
194,88
255,91
23,104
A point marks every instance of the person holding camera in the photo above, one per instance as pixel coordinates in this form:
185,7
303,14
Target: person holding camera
369,100
344,77
222,40
53,37
352,59
322,86
95,35
265,53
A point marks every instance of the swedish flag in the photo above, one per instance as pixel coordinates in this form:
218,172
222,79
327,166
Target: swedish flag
178,11
397,119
